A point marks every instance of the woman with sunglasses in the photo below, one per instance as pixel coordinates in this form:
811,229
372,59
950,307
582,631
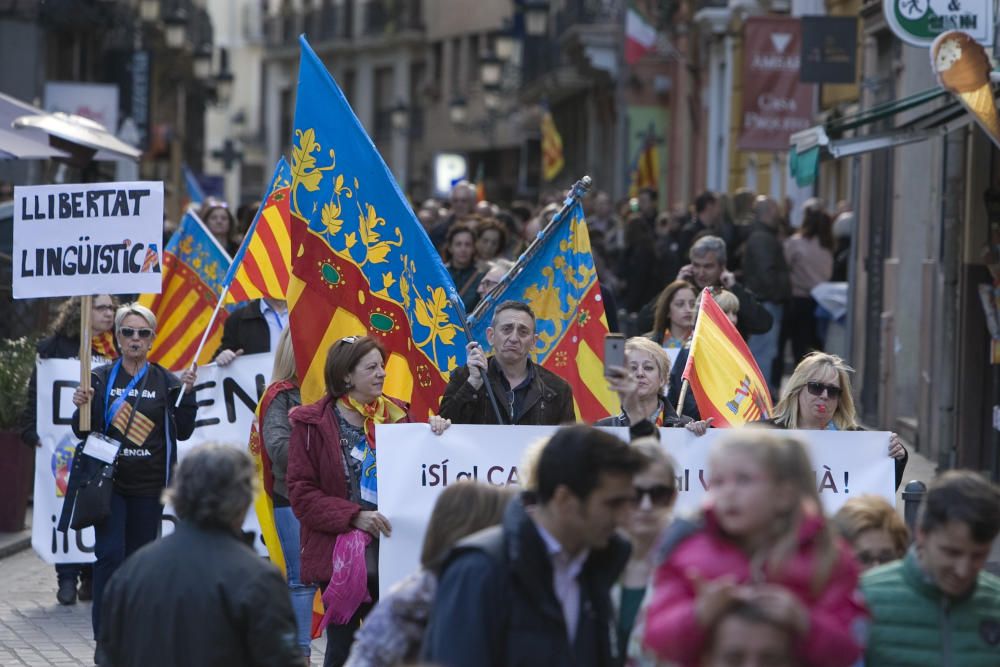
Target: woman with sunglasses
132,402
332,479
818,397
655,493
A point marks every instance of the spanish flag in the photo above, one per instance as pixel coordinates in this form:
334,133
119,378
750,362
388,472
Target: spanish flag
194,267
727,384
261,267
552,148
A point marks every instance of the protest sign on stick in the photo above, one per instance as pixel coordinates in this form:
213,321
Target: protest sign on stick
84,239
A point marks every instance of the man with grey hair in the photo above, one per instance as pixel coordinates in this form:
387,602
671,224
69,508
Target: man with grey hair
201,596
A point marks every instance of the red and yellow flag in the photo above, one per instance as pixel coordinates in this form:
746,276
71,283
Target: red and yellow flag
262,266
194,267
646,169
727,384
552,148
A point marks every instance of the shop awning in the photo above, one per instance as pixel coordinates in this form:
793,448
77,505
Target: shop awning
941,114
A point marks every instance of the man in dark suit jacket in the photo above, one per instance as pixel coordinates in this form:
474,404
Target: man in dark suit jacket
252,329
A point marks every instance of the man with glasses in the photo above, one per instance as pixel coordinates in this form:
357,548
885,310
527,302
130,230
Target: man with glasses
937,607
526,392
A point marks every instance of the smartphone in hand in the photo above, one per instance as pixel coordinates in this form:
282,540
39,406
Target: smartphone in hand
614,352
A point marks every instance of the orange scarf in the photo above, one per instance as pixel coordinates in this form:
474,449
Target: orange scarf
379,411
104,345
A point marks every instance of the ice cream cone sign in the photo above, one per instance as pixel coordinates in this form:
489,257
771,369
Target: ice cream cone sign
963,69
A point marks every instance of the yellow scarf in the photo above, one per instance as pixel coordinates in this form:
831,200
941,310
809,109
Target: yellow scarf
379,411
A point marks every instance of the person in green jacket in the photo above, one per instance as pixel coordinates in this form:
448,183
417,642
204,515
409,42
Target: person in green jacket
937,607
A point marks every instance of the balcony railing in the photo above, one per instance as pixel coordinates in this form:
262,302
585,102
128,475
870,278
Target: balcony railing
392,17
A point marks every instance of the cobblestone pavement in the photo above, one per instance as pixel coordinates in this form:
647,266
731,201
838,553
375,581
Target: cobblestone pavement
35,630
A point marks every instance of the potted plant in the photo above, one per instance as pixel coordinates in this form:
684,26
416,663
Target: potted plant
17,360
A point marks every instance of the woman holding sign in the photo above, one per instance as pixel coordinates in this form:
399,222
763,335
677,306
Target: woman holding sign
818,397
332,482
132,405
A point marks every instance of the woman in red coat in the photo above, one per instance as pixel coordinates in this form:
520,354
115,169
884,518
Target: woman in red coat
331,468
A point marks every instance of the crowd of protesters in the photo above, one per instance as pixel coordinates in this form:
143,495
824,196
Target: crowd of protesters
585,564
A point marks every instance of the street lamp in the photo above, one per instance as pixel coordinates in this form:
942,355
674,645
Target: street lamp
175,29
458,111
202,62
491,97
149,10
224,79
400,116
490,70
536,17
505,44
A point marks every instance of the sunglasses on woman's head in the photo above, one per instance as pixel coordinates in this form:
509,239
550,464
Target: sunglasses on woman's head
660,495
128,332
816,389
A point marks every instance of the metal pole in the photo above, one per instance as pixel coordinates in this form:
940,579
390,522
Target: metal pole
579,189
457,305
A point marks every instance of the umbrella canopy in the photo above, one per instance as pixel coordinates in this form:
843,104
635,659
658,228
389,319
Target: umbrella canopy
67,130
17,146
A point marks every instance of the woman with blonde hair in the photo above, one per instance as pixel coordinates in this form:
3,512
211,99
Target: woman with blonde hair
874,530
818,397
640,387
281,397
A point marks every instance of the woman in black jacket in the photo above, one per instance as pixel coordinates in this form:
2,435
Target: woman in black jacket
818,397
132,402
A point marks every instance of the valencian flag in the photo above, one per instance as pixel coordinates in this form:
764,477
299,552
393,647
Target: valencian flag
552,148
262,264
723,375
646,168
194,266
559,282
361,263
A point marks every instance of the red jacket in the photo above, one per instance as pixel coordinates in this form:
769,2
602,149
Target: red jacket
317,486
673,632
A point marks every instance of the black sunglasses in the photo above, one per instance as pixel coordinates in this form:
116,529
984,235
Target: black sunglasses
816,389
128,332
660,495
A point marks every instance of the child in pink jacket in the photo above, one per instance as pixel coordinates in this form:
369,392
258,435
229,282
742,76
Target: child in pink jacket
763,540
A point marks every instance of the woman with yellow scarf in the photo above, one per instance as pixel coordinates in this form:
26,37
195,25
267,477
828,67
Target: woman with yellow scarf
331,471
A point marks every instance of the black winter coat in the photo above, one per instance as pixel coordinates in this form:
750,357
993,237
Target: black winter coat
246,329
549,400
496,605
201,598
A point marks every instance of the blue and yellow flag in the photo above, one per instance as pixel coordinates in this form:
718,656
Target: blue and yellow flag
194,266
559,282
361,263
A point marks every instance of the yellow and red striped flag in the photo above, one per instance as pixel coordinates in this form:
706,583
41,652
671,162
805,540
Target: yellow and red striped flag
263,263
194,266
559,282
727,384
552,148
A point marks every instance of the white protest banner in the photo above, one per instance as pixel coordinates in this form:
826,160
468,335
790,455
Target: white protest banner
227,398
414,465
94,238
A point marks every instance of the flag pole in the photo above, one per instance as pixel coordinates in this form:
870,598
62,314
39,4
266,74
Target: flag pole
578,190
457,305
680,399
204,337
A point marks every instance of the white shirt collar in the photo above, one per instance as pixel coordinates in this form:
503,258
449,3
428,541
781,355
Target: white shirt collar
558,554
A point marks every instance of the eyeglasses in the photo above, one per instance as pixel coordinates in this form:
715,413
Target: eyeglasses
660,495
128,332
868,558
488,284
816,389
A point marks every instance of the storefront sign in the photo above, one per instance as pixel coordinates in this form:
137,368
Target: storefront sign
775,103
829,49
918,22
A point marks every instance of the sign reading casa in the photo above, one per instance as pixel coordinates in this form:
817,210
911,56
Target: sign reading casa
98,238
775,103
918,22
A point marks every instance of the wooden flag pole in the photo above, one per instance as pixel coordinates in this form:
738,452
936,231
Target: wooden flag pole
86,312
680,399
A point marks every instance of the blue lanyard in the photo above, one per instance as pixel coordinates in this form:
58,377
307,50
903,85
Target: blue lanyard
109,413
277,318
